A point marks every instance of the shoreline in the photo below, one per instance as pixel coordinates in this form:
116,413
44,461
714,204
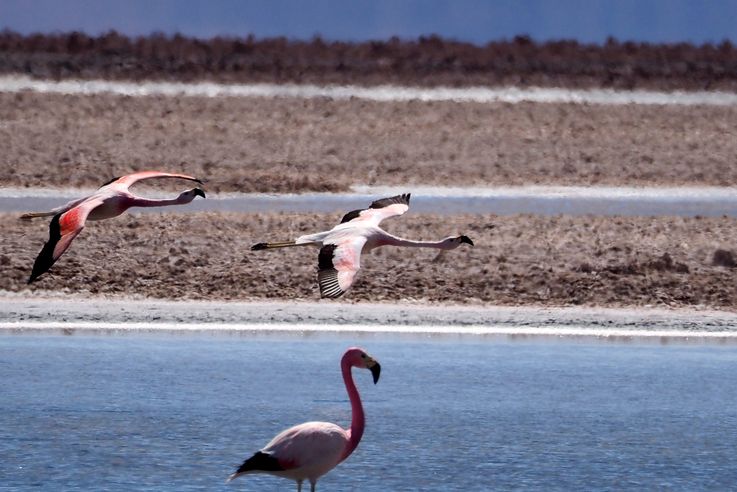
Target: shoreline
15,83
60,314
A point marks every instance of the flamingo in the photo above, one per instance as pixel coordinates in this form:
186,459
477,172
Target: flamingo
359,231
110,200
310,450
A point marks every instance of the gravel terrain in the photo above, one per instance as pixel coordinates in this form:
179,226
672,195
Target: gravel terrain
517,260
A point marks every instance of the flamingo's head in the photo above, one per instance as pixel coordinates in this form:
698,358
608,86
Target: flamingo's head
189,195
357,357
454,241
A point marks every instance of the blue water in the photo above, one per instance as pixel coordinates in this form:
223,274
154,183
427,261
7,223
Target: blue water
686,204
181,412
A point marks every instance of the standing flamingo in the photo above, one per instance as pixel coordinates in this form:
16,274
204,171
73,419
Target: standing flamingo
110,200
310,450
341,247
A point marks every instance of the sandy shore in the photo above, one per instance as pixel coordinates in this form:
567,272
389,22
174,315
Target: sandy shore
518,260
75,315
288,145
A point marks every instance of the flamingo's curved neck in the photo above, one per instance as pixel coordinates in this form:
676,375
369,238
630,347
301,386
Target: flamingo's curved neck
391,240
358,421
152,202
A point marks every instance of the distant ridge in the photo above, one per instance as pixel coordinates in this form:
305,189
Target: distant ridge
427,61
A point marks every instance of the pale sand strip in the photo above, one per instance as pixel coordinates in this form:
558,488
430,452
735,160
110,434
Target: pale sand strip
22,314
383,93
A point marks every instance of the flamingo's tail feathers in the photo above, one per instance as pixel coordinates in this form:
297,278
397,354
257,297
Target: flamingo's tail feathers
259,462
283,244
33,215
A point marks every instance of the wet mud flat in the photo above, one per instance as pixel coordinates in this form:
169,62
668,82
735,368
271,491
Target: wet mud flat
518,260
282,145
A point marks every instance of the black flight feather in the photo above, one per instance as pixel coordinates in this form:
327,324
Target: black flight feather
351,215
384,202
261,462
112,180
45,258
327,274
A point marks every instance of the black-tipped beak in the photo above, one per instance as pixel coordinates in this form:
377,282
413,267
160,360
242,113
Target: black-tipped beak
375,371
199,192
467,240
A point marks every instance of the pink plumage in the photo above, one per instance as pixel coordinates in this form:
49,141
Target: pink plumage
341,247
110,200
310,450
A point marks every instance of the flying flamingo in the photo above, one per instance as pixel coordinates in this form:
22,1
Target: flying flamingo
310,450
110,200
341,247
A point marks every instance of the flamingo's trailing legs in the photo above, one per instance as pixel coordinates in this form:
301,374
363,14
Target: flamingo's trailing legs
359,231
310,450
110,200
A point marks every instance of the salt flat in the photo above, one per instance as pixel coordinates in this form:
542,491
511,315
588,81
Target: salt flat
381,93
23,314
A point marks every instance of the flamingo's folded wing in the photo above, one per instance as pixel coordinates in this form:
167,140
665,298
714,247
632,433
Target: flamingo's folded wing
338,264
380,210
130,179
307,445
63,229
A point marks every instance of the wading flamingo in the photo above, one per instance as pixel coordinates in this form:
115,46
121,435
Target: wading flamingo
110,200
310,450
359,231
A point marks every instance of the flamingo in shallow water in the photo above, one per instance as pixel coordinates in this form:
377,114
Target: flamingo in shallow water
310,450
110,200
359,231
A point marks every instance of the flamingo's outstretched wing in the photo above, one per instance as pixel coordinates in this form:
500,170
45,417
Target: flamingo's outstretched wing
338,264
63,229
130,179
380,210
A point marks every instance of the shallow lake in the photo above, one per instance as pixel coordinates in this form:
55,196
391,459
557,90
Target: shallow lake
181,412
687,202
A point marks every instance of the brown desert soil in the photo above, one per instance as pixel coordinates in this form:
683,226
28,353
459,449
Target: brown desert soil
518,260
426,61
294,145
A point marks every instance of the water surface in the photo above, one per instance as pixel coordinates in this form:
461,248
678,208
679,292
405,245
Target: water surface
543,200
181,412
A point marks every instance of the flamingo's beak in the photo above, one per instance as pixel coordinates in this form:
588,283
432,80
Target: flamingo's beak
375,369
467,240
199,192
